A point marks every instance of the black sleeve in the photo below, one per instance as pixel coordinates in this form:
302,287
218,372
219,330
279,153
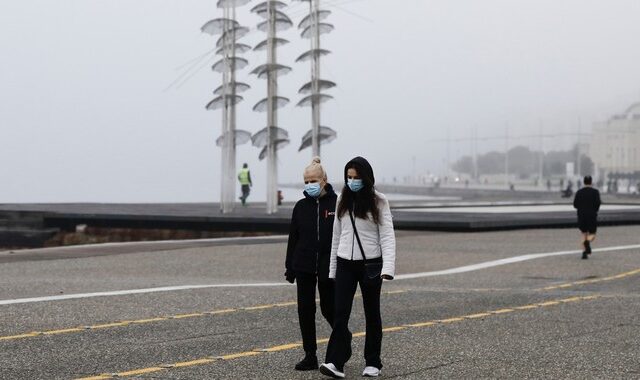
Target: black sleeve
250,182
598,202
576,203
293,241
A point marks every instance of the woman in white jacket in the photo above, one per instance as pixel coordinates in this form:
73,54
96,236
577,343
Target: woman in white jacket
364,255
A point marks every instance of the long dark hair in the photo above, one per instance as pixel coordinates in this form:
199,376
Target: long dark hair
364,201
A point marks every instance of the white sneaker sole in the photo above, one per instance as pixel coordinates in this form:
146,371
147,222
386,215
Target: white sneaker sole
328,372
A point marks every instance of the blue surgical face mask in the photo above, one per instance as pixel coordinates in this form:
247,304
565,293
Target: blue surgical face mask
313,189
355,185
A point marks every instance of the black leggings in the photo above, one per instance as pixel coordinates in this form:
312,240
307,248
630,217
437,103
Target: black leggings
348,275
307,307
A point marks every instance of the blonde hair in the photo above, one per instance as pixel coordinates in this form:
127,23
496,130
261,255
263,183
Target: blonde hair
316,167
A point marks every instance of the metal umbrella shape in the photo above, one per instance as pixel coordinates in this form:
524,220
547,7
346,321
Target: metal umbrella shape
313,26
272,138
230,31
327,135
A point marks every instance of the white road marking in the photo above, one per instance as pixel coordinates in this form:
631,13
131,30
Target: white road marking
515,209
152,243
134,291
509,260
463,269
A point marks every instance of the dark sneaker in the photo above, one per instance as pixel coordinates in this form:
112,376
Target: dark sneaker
309,363
585,255
328,369
587,247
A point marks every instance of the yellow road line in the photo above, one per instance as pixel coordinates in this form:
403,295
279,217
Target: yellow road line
526,307
20,336
109,325
592,281
549,303
292,303
289,346
479,315
65,331
141,371
392,329
282,347
502,311
193,363
261,307
422,324
451,320
150,320
239,355
224,311
572,299
192,315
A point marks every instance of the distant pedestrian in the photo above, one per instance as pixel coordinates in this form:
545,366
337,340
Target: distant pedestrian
587,202
568,192
245,181
363,253
548,185
308,254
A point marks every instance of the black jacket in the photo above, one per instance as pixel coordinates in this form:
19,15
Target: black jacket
310,235
587,202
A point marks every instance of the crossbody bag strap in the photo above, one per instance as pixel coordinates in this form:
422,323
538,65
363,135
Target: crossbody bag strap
355,231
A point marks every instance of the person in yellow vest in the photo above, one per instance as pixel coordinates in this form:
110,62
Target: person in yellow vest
245,181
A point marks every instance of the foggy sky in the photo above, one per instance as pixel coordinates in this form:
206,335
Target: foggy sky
85,114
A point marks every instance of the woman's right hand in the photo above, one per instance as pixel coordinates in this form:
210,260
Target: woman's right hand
291,277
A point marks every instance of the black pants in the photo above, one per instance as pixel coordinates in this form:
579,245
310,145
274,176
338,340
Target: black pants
348,275
246,190
307,307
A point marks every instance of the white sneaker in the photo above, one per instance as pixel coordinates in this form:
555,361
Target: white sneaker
371,372
328,369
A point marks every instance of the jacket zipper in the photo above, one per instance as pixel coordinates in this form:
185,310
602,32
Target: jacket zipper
318,232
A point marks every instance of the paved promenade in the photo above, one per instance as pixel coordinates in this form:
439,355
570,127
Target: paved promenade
510,304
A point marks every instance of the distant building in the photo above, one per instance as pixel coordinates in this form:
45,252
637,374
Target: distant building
615,144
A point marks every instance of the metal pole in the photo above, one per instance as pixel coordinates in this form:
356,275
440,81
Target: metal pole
315,76
541,158
579,159
224,172
231,138
506,157
413,170
448,155
475,154
272,91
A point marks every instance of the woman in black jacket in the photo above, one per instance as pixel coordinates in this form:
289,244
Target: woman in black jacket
308,254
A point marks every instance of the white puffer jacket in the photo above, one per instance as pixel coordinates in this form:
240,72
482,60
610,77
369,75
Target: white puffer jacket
377,240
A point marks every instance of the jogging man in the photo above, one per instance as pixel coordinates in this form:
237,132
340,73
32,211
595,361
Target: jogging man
587,202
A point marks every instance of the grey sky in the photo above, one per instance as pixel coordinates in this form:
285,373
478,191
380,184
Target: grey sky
84,115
